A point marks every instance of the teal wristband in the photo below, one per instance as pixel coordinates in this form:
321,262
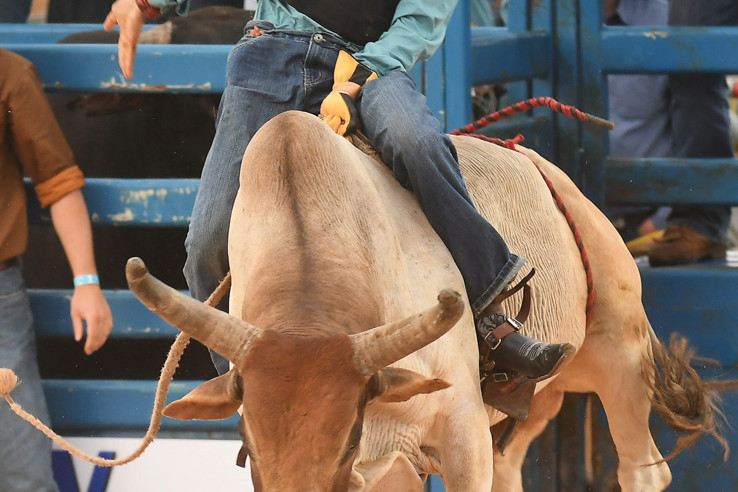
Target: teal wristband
86,280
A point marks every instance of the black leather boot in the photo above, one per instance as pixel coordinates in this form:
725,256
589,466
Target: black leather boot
505,353
514,353
510,364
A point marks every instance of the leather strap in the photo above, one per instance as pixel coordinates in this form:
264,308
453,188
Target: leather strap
504,295
508,427
514,324
243,453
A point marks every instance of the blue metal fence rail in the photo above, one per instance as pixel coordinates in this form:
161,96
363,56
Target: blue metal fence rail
557,48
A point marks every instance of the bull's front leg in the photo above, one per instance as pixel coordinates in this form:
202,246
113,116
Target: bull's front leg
465,453
545,406
392,472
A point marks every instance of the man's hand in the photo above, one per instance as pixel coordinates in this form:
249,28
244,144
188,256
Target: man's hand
129,17
338,109
89,305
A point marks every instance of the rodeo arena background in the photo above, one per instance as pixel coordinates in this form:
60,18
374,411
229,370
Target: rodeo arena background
597,136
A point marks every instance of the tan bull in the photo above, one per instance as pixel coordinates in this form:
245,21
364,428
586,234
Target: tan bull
344,382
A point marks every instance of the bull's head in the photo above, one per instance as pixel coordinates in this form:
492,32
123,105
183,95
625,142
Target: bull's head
303,397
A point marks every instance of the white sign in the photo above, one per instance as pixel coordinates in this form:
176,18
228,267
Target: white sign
180,465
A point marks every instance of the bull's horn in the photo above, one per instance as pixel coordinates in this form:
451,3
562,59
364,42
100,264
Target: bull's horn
227,335
379,347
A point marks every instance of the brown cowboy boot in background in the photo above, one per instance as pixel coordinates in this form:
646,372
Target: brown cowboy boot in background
681,245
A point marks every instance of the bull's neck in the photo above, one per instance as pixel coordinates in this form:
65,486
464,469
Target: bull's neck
307,236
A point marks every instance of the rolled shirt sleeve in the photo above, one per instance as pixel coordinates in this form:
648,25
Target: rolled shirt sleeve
67,181
37,139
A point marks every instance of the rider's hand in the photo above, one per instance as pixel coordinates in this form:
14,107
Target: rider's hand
131,19
338,109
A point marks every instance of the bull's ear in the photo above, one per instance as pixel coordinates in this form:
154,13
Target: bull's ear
212,400
393,384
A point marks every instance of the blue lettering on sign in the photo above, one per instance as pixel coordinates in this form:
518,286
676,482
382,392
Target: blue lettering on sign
66,479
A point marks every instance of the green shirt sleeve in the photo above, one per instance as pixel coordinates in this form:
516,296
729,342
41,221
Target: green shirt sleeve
417,30
180,6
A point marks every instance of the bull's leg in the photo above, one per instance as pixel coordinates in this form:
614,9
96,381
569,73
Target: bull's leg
507,467
390,473
612,370
466,458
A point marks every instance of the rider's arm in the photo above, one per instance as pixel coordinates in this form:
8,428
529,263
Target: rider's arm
417,30
131,15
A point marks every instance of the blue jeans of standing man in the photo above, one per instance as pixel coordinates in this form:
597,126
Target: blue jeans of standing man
25,453
700,114
15,11
279,71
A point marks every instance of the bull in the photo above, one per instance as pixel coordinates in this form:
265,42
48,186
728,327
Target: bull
349,380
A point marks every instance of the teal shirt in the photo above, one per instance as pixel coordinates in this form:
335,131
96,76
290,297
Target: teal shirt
417,30
180,6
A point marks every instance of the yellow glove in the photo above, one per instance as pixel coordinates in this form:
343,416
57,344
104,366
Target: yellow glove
338,109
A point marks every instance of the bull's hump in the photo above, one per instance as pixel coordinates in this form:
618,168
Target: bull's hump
304,201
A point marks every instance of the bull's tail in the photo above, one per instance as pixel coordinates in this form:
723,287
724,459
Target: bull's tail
688,404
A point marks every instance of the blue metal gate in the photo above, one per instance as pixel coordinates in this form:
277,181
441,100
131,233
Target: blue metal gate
556,48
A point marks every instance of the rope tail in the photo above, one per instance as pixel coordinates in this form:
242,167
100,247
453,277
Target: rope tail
535,102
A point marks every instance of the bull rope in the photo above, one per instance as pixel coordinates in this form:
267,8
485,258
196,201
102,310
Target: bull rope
571,112
8,382
529,104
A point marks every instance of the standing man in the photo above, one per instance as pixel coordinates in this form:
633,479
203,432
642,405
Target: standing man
640,108
700,120
14,11
32,143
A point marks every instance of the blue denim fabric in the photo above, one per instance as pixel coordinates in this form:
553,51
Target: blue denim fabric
15,11
25,453
279,71
424,160
700,114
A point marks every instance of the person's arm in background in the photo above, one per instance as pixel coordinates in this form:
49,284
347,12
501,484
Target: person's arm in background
131,15
46,157
72,225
